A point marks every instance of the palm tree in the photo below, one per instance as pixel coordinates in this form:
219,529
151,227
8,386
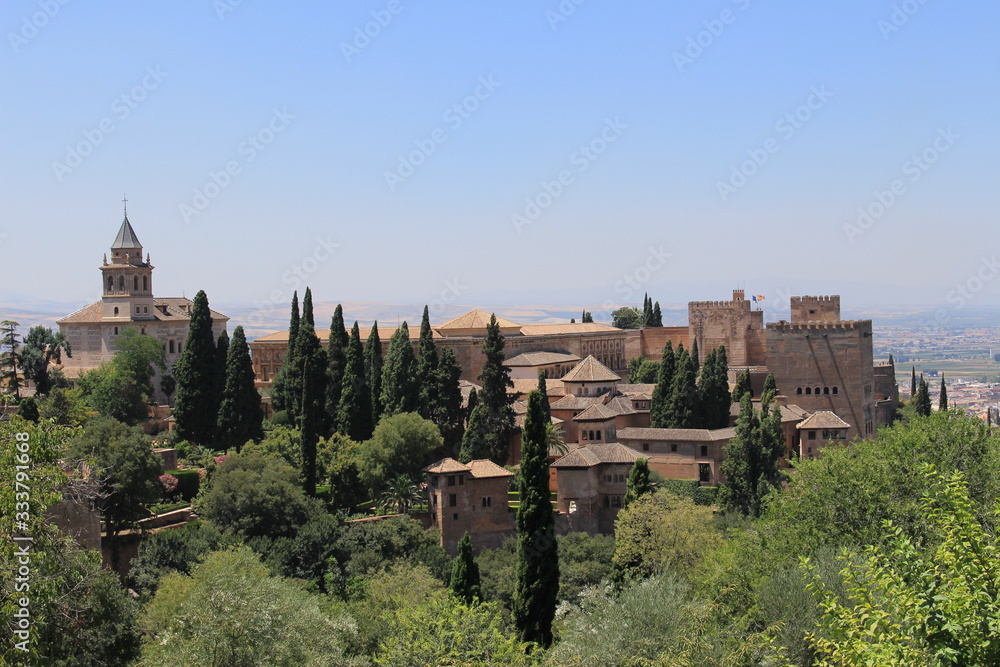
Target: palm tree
556,439
400,494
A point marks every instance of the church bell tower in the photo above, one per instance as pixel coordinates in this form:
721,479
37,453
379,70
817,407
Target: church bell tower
127,279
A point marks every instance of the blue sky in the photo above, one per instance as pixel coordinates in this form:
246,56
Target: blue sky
350,164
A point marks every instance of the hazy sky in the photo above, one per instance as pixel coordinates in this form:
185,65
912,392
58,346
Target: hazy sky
503,152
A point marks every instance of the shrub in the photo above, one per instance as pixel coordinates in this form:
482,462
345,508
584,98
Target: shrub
188,482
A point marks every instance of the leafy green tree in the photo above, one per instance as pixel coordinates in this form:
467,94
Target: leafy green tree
587,317
642,370
713,386
584,561
922,403
10,357
123,387
140,356
313,377
336,368
231,611
498,415
465,584
254,496
65,407
373,371
684,408
537,584
354,413
943,398
401,445
280,386
637,484
28,408
426,367
340,457
743,387
240,416
176,550
911,605
42,347
399,387
127,466
659,416
751,468
168,385
447,411
626,317
195,408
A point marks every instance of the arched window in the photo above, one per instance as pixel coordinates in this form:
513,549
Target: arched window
834,391
111,283
121,283
116,331
817,391
145,284
598,435
116,311
170,346
809,391
826,390
798,390
135,283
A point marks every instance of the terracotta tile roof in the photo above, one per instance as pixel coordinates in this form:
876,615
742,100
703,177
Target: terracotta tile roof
525,386
476,319
552,328
621,406
484,468
596,412
89,313
93,313
571,402
448,465
519,421
384,334
591,370
636,389
823,419
540,359
684,434
592,455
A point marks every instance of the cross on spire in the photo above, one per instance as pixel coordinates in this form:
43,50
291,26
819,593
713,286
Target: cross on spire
125,204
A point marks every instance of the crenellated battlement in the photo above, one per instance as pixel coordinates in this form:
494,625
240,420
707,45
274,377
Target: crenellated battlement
843,326
694,305
827,298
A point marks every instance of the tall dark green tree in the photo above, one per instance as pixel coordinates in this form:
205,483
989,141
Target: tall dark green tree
446,409
473,402
713,387
465,585
752,465
240,415
196,408
647,312
41,347
695,357
742,387
770,388
658,416
354,413
637,484
922,402
684,405
373,371
399,386
281,398
336,361
495,380
913,382
587,316
544,391
312,404
10,357
427,363
474,437
537,574
221,358
657,315
943,398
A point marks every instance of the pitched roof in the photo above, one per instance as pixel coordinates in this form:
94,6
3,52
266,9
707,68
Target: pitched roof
552,328
635,389
126,238
621,406
476,319
592,455
591,370
94,312
479,469
684,434
540,359
596,412
527,385
823,419
384,334
571,402
447,465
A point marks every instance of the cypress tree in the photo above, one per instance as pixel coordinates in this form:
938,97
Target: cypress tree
657,315
296,366
770,388
683,408
695,357
587,317
742,387
221,358
240,415
280,396
658,417
713,386
447,411
195,409
943,398
399,386
923,400
427,362
913,382
465,584
647,312
474,438
638,482
373,371
537,583
354,412
751,467
473,401
544,391
312,383
496,402
336,360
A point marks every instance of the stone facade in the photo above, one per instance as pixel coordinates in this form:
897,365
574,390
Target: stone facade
127,301
470,497
731,323
591,484
817,309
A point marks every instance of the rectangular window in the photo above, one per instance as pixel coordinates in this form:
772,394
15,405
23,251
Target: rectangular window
607,501
461,480
704,473
451,480
616,501
645,446
452,500
704,450
812,435
673,448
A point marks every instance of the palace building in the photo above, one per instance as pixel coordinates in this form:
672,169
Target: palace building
127,301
